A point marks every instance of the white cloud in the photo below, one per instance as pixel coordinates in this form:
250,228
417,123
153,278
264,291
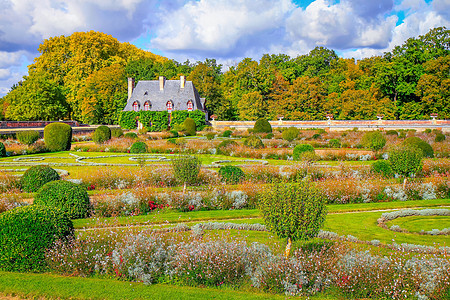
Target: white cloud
4,74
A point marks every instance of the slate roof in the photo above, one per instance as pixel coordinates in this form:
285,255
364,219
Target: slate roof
149,90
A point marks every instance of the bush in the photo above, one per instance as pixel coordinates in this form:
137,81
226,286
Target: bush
334,143
58,136
139,147
269,136
300,149
227,133
35,177
186,169
222,147
27,232
383,168
174,133
428,131
290,134
116,132
414,141
392,132
262,126
101,134
374,140
67,196
189,126
439,137
253,142
231,174
210,136
27,137
2,150
316,136
130,135
405,160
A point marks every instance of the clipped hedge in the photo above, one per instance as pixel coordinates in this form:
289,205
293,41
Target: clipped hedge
70,197
231,174
2,150
139,147
262,126
27,137
58,136
300,149
154,120
189,126
101,134
25,234
35,177
178,117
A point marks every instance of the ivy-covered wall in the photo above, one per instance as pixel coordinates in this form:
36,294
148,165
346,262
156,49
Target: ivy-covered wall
159,120
198,116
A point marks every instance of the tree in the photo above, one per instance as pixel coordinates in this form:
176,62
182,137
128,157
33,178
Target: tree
251,107
405,160
374,140
293,210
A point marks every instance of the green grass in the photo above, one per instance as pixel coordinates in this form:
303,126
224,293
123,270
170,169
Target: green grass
418,223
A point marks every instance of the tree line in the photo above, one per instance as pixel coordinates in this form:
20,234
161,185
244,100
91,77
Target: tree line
84,77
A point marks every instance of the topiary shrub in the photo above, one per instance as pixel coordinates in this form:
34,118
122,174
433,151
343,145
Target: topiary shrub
70,197
262,126
334,143
224,147
439,137
2,150
269,136
414,141
383,168
130,135
27,232
186,169
290,134
300,149
116,132
227,133
27,137
101,134
210,136
35,177
293,210
374,140
406,160
189,126
139,147
392,132
254,142
231,174
58,136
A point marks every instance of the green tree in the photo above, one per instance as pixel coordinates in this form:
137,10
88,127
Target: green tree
374,140
405,160
251,106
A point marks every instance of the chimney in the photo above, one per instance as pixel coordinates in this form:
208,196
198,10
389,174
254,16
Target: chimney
162,81
130,86
182,81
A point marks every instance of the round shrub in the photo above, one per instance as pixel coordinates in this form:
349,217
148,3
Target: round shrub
186,169
130,135
223,147
2,150
374,140
269,136
414,141
300,149
25,234
253,142
35,177
58,136
392,132
139,147
439,137
290,134
101,134
210,136
405,159
27,137
116,132
189,126
316,136
383,168
231,174
334,143
227,133
262,126
70,197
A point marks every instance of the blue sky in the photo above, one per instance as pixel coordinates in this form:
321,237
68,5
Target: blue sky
227,30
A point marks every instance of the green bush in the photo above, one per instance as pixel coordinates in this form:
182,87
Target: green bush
290,134
223,147
269,136
58,136
414,141
2,150
316,136
174,133
428,131
294,210
210,136
334,143
186,169
116,132
262,126
439,137
300,149
227,133
35,177
27,232
139,147
254,142
189,126
406,160
70,197
374,140
101,134
231,174
130,135
392,132
383,168
27,137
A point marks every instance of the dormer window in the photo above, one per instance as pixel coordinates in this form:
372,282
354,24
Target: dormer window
135,106
146,93
190,106
147,106
169,106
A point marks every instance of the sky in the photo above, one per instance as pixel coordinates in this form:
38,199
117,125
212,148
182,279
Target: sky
227,30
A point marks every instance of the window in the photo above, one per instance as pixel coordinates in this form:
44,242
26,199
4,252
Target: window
190,106
169,106
147,106
135,106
